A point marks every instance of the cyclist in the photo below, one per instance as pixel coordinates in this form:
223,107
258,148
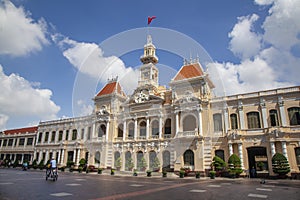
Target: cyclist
53,165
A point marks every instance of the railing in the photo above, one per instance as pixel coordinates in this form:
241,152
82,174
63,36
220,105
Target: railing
167,136
153,137
141,138
187,134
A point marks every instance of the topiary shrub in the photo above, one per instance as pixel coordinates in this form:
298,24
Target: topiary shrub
280,164
129,164
218,163
234,163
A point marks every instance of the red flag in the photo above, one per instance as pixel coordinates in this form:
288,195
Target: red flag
150,19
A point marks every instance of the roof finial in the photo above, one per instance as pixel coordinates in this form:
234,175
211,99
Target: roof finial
149,39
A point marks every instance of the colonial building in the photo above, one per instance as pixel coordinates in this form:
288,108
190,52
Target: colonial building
181,126
18,144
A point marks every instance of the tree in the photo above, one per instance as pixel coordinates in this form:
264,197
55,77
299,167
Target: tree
280,164
218,163
234,163
142,164
129,164
82,162
155,164
118,163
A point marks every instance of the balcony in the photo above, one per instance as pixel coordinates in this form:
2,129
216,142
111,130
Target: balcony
187,134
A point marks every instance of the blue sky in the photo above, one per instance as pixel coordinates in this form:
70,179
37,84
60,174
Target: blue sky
254,45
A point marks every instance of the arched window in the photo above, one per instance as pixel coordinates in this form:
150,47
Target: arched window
74,134
217,122
253,120
102,130
189,123
168,127
143,129
152,156
155,128
97,157
166,160
274,118
131,130
128,161
220,154
116,158
294,115
188,158
120,130
140,160
234,121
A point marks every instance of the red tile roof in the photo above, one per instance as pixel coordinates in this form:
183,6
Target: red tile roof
110,88
189,71
22,130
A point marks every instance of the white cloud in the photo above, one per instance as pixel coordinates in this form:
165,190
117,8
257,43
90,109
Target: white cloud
86,109
20,34
89,59
3,121
18,98
282,27
267,60
244,42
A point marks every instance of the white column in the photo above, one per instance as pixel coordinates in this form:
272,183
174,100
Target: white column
200,122
78,157
135,128
22,159
40,156
147,128
34,154
62,156
56,136
47,156
230,149
177,123
160,127
107,130
240,148
264,115
226,119
58,159
74,156
284,151
282,114
124,130
273,151
241,114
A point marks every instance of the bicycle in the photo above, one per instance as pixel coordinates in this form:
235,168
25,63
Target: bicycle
52,174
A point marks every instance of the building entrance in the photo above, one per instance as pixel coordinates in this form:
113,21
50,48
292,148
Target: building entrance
258,161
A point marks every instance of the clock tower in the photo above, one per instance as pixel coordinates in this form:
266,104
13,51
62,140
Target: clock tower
148,71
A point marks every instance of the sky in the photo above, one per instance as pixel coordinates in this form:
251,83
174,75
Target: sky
56,55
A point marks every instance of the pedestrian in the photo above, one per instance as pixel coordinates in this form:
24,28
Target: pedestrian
253,172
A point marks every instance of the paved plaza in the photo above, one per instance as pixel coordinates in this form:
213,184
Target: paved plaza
31,184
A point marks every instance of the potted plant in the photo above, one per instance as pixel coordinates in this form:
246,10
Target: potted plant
142,164
41,164
100,170
118,163
80,169
212,174
164,173
129,164
34,164
197,174
260,165
112,171
218,165
280,165
62,168
234,163
149,173
135,172
181,173
155,165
